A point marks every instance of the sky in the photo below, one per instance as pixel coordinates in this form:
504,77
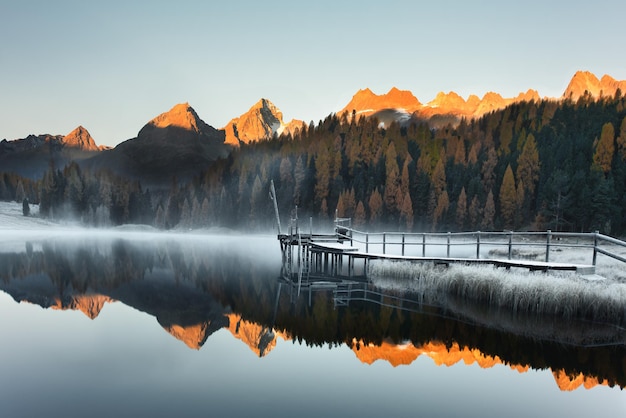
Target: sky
111,66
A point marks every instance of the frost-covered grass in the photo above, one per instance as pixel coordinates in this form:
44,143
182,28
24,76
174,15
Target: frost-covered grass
566,295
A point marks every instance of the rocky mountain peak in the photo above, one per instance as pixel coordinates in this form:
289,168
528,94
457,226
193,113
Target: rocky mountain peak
586,82
180,122
180,116
261,122
366,102
80,138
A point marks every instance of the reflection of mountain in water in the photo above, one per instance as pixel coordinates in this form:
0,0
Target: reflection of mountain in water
194,288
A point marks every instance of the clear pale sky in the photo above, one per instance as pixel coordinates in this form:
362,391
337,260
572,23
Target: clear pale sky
112,65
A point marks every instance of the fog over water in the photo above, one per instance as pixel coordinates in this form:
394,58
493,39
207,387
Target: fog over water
133,321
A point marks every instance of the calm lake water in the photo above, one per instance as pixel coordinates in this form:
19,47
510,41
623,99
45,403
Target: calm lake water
130,324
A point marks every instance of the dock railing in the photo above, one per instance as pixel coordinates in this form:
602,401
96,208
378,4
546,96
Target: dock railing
480,245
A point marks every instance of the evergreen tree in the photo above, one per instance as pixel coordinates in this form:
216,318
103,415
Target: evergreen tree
489,213
621,140
475,213
528,166
508,199
406,212
461,210
375,206
20,195
359,215
605,148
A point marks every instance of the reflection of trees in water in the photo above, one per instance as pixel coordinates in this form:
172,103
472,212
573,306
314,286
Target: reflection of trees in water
191,283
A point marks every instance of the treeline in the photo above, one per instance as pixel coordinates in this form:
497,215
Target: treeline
534,165
557,165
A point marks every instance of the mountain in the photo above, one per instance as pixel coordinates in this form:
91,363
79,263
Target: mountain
261,122
365,102
402,106
586,82
81,139
31,156
176,143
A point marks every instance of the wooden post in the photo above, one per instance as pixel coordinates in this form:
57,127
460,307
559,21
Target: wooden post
548,238
448,251
595,247
367,242
478,245
384,242
510,244
423,245
403,245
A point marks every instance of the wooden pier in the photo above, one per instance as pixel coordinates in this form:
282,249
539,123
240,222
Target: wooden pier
345,254
332,257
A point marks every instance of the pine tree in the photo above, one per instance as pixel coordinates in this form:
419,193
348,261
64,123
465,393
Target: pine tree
508,199
443,204
621,140
605,148
392,181
406,212
488,169
359,215
489,213
528,165
376,206
299,175
461,210
20,195
475,213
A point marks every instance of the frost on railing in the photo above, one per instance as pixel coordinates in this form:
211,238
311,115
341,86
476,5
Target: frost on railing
545,246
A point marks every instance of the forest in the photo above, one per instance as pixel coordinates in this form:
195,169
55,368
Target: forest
538,165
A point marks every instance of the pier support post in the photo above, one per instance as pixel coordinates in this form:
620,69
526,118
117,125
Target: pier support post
384,242
548,239
478,245
510,244
448,249
595,248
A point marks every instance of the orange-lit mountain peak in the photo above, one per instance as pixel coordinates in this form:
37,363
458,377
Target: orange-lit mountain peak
261,122
367,102
570,383
258,338
405,354
194,336
80,138
528,96
585,82
449,101
90,305
396,355
402,98
180,116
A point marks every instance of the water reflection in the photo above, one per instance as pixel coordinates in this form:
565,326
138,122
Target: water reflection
195,286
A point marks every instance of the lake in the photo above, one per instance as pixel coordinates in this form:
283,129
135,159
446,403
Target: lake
123,323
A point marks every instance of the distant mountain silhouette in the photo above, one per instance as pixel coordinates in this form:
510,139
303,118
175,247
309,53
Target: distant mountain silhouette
31,156
176,143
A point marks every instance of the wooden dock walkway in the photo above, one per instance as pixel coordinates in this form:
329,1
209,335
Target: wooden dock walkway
335,254
326,255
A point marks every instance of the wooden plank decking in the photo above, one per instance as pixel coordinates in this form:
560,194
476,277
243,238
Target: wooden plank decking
533,265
